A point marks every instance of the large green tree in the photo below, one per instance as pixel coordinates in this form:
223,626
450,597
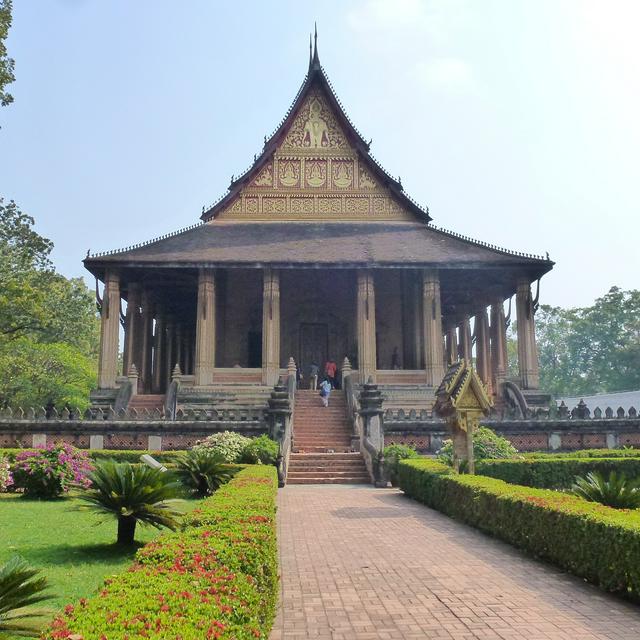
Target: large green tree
48,325
6,63
591,349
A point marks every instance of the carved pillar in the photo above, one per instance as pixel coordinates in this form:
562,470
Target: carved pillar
179,341
109,330
366,326
432,317
483,358
187,353
158,353
465,346
132,335
451,342
498,344
270,327
527,349
205,328
169,350
146,341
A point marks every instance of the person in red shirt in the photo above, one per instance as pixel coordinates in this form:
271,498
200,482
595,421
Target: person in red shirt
330,369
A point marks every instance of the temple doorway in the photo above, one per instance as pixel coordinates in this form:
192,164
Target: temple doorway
314,344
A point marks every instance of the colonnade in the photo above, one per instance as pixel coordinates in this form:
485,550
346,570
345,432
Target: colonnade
156,341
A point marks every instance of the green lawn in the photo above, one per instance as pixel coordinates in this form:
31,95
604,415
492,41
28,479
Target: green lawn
73,551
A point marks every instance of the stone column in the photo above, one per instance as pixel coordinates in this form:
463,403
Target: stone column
483,358
465,346
527,349
169,350
179,344
366,326
270,327
109,330
205,328
187,353
452,345
432,318
131,329
498,344
146,341
158,353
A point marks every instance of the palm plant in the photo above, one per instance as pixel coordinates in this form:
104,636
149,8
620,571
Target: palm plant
616,491
20,587
134,493
202,471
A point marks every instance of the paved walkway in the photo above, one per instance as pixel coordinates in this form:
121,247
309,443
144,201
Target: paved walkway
359,563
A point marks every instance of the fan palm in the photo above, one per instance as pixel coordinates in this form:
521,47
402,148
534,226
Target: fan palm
134,493
615,491
202,471
20,587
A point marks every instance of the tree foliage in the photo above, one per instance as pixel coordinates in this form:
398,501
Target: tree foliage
48,326
6,63
591,349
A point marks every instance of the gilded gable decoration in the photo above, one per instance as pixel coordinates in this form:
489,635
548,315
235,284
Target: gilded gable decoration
265,177
315,127
365,180
289,173
316,173
342,173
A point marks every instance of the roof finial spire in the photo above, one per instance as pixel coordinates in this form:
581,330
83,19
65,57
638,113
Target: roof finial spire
316,60
310,52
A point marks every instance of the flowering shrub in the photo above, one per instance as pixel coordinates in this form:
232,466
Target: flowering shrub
229,445
262,450
216,579
48,472
487,444
5,474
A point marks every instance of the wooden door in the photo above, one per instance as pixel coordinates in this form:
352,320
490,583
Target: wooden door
314,345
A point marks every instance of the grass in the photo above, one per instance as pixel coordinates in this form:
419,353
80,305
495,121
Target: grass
73,551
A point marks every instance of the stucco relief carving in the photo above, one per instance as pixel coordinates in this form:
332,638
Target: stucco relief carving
365,180
265,177
316,173
289,173
315,127
329,205
301,205
356,205
342,173
251,205
274,205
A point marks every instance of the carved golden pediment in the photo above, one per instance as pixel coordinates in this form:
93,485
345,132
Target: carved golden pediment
315,127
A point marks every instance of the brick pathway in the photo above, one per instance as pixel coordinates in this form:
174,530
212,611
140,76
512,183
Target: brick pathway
359,563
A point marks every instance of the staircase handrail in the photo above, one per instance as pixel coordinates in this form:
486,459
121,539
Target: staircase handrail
360,438
171,400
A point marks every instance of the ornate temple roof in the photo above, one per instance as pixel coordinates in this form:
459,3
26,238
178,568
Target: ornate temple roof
316,197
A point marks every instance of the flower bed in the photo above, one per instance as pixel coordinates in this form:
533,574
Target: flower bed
120,455
555,473
216,579
590,540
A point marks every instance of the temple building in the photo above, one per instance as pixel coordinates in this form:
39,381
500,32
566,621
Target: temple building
315,253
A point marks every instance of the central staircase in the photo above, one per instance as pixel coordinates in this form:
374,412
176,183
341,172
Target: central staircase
322,443
150,402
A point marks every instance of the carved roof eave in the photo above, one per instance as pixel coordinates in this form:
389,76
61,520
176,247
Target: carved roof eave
316,74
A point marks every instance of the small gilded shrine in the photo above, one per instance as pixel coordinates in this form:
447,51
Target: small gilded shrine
462,400
314,253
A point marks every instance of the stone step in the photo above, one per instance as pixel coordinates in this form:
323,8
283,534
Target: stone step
330,480
350,455
327,467
321,449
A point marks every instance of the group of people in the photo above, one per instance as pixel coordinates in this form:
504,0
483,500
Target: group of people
324,384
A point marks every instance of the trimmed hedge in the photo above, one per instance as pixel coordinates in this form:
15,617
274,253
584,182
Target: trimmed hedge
218,578
586,453
590,540
555,473
119,455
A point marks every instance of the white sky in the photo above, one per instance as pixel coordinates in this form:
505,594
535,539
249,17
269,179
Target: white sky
515,121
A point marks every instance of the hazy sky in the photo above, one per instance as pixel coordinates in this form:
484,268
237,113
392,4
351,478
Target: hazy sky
516,121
